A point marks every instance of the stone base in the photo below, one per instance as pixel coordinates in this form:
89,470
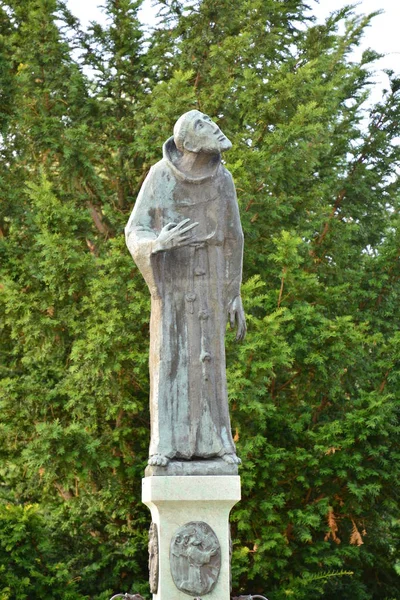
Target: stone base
212,466
176,501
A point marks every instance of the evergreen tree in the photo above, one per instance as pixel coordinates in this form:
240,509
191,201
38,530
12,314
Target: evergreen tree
68,303
312,409
313,389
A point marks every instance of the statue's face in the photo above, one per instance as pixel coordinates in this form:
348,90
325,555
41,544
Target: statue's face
203,135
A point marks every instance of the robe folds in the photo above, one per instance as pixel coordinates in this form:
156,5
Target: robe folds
191,288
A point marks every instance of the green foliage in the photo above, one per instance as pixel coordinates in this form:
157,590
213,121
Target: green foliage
314,387
30,557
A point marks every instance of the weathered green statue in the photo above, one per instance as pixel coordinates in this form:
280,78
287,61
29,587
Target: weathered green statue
186,238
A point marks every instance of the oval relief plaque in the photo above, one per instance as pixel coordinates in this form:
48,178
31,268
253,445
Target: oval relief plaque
195,558
153,558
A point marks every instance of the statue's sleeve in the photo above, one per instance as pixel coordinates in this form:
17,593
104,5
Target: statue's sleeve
233,245
140,231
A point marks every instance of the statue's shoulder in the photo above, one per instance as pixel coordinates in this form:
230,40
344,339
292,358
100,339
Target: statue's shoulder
159,170
159,166
225,172
227,175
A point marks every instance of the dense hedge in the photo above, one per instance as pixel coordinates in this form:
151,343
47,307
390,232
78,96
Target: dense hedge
314,388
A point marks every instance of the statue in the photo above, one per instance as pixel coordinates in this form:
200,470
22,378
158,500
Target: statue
185,236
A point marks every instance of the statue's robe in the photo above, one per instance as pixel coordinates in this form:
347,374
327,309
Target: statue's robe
191,288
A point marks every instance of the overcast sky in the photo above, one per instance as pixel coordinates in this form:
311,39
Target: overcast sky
382,35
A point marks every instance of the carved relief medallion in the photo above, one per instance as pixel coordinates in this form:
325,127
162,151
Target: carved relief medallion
230,557
153,558
195,558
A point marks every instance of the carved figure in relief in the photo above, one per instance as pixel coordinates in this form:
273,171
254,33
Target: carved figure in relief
195,558
186,238
153,558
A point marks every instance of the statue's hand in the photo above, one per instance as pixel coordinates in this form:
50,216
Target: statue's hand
236,315
173,235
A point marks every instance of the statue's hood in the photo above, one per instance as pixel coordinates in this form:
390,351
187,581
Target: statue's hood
172,155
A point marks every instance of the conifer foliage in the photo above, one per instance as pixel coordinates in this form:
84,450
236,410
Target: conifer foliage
314,387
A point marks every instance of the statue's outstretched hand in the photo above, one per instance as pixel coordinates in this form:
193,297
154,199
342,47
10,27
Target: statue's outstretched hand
173,235
236,315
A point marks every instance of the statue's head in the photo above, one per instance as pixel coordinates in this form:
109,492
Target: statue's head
196,132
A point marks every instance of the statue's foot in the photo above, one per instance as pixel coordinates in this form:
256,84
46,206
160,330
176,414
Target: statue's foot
231,459
158,460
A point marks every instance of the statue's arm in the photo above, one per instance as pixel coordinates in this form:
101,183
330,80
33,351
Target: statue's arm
233,248
140,232
145,237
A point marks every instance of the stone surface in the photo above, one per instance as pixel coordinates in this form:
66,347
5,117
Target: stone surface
153,558
195,558
186,238
177,501
193,467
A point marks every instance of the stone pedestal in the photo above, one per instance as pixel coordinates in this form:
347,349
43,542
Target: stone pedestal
180,500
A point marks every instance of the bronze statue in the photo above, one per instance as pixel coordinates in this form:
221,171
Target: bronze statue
186,238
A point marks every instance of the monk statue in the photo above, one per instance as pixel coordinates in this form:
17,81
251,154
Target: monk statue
185,236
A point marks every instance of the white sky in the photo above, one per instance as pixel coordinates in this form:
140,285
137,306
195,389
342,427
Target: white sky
382,36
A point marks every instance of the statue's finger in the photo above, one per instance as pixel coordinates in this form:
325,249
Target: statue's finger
232,318
241,330
182,223
169,226
188,228
178,232
170,239
180,239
